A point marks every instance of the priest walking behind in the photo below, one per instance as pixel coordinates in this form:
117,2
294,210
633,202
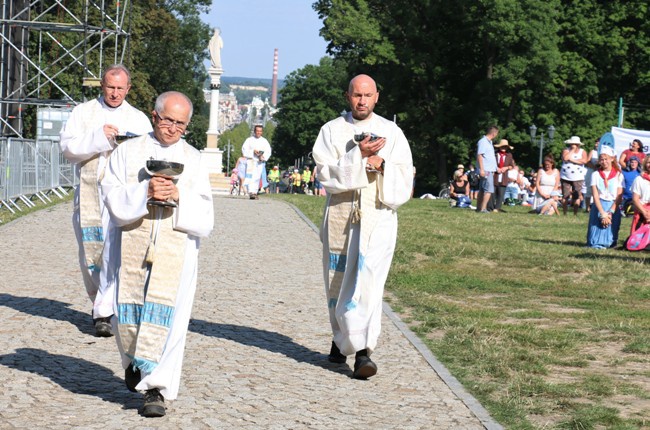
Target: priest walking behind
156,248
90,135
364,162
257,150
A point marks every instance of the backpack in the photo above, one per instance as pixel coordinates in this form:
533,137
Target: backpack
638,241
473,178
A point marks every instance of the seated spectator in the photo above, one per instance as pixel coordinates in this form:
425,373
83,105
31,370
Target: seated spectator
511,197
641,197
524,189
606,194
532,188
459,190
462,171
549,206
548,180
636,149
630,173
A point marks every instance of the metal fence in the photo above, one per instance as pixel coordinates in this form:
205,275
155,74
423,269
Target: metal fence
32,170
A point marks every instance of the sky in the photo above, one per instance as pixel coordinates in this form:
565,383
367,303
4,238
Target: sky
252,29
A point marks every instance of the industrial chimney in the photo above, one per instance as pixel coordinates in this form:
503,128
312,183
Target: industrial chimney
274,87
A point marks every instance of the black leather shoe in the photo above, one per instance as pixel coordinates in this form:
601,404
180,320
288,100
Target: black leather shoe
154,404
132,378
103,327
364,367
335,355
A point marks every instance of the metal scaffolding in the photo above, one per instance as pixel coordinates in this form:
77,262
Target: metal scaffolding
52,53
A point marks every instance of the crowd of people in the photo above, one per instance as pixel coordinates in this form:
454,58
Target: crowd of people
591,179
292,180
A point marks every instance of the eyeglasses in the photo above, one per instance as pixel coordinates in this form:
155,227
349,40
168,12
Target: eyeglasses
168,123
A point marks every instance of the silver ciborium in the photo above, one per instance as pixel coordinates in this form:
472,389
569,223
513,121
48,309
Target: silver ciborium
124,137
164,169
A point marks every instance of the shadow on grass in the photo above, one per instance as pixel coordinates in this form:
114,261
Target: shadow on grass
269,341
574,243
621,255
642,257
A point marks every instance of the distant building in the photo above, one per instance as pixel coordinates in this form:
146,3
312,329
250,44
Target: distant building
232,113
259,112
229,110
248,87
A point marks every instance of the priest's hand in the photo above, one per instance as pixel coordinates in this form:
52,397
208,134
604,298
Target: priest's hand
111,131
162,188
375,163
371,147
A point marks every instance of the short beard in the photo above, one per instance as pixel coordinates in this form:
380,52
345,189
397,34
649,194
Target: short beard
361,117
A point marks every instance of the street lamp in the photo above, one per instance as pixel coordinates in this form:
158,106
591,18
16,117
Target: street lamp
228,148
540,139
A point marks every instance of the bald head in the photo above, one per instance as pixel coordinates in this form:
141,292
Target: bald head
364,80
362,96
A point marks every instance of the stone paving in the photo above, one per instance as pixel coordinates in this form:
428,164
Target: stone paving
256,351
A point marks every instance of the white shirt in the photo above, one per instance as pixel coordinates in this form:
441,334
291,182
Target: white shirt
609,193
641,187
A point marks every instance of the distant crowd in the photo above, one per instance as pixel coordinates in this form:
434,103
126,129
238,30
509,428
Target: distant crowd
292,180
593,179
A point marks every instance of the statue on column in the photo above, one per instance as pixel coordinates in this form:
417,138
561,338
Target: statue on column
215,45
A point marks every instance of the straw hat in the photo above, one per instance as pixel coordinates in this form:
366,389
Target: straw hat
575,140
503,143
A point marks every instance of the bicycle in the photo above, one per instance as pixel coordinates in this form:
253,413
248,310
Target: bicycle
444,192
234,189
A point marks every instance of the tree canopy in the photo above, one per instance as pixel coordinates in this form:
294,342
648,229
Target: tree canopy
450,68
311,96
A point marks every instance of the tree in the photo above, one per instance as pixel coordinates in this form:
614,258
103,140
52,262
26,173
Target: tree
452,67
168,47
311,96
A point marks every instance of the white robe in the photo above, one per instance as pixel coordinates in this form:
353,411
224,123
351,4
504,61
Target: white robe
81,139
194,216
254,166
341,168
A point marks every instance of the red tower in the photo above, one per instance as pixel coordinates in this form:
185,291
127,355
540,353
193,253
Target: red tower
274,87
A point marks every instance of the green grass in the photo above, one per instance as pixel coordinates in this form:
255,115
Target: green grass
6,215
546,333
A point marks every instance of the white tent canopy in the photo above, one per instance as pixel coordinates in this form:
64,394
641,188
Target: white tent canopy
623,137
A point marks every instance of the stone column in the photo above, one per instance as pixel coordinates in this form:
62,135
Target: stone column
212,154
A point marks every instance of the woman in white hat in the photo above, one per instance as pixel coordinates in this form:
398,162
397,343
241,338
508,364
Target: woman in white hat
572,174
606,193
